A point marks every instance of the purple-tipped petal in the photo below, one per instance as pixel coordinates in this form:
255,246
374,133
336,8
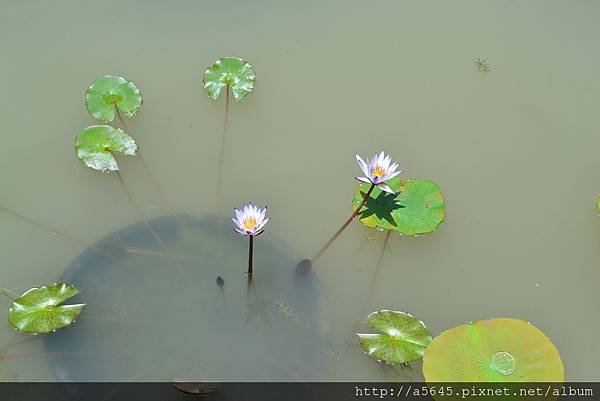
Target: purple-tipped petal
363,179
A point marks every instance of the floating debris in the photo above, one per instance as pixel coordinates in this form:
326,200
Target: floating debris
482,66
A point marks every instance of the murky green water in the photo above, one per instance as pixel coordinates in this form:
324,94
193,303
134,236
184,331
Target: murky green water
514,150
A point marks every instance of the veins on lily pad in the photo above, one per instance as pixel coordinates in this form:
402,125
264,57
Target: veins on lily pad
40,309
231,72
401,338
417,207
110,94
96,146
497,350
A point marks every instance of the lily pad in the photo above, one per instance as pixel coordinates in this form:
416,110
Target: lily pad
417,207
402,338
39,309
110,92
497,350
97,144
234,72
598,204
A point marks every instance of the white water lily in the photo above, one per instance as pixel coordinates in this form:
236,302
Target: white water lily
378,170
250,220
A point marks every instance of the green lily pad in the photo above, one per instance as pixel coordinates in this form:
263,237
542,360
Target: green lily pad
403,338
234,72
598,204
108,93
39,309
417,207
497,350
97,144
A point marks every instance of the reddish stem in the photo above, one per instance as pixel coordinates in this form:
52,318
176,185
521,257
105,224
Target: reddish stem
343,227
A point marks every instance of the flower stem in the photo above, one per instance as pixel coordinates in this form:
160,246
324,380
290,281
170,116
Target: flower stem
343,227
222,155
164,199
250,251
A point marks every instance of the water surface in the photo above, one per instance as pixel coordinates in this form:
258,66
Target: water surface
514,150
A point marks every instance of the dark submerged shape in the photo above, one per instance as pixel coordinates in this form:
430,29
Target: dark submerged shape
148,319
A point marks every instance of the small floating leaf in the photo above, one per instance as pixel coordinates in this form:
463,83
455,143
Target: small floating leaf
403,338
598,204
497,350
234,72
97,144
38,310
418,207
110,92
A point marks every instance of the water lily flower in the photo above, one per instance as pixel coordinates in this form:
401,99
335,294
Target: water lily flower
250,220
378,170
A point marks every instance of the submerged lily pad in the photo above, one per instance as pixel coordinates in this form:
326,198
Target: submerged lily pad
403,338
39,309
497,350
97,144
417,207
108,93
234,72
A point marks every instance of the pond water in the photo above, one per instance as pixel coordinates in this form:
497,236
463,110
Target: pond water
514,150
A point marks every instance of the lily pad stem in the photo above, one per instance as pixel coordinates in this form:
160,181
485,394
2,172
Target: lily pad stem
139,212
346,224
8,293
222,155
54,231
161,194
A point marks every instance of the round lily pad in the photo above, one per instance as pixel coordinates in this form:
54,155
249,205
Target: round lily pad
234,72
401,338
497,350
417,207
39,309
97,144
108,93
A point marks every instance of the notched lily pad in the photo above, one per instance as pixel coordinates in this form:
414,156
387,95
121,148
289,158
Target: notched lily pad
402,338
417,207
39,309
110,92
234,72
97,144
497,350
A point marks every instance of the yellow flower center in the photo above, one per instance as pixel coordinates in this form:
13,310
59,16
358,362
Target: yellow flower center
250,223
378,171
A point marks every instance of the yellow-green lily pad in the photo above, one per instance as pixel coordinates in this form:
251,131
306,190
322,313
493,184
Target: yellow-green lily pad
39,309
97,144
234,72
110,92
417,207
497,350
401,337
